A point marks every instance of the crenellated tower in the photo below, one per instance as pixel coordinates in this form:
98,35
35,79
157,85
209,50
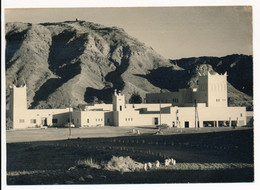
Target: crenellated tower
118,101
212,90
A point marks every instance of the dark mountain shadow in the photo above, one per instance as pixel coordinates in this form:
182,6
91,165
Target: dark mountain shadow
60,57
238,67
52,84
62,52
14,41
104,95
240,72
113,77
167,78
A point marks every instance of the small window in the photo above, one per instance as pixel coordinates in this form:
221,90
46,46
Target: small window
241,115
54,120
120,108
217,100
108,120
131,119
21,120
33,120
126,119
87,120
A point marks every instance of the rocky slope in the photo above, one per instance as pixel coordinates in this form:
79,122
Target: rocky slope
83,61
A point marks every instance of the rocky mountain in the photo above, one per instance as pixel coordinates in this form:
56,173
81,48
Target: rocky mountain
83,61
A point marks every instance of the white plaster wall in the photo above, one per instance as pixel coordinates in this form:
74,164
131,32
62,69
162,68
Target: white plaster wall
217,91
222,114
38,115
92,118
76,116
109,118
152,107
208,114
106,107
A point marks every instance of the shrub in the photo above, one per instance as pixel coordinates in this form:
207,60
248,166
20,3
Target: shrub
89,162
9,123
123,164
135,98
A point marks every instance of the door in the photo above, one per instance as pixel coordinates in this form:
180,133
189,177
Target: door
44,121
186,124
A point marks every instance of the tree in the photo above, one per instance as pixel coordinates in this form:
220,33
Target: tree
94,100
135,98
9,124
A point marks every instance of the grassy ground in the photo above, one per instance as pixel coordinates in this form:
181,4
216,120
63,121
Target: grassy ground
224,155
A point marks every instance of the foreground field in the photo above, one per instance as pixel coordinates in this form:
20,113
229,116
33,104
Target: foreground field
223,155
49,134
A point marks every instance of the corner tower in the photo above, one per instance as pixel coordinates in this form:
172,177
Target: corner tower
217,90
18,103
212,90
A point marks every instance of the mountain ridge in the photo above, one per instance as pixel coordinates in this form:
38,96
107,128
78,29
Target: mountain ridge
84,61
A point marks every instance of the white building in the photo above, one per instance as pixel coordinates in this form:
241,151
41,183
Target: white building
205,106
22,117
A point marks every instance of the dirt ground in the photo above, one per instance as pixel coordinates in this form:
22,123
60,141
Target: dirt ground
28,135
202,155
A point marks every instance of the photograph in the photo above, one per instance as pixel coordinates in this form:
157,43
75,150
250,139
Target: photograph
129,95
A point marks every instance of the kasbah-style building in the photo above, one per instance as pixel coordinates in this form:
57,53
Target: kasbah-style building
205,106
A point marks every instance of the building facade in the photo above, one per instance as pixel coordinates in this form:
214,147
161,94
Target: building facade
205,106
22,117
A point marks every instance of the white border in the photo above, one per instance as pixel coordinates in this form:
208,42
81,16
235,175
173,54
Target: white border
119,3
133,3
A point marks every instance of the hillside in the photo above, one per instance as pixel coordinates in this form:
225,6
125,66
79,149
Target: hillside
84,61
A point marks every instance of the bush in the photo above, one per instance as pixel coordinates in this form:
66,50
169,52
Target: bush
163,126
9,124
89,162
123,164
135,98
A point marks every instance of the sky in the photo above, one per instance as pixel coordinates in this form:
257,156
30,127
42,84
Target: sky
174,32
